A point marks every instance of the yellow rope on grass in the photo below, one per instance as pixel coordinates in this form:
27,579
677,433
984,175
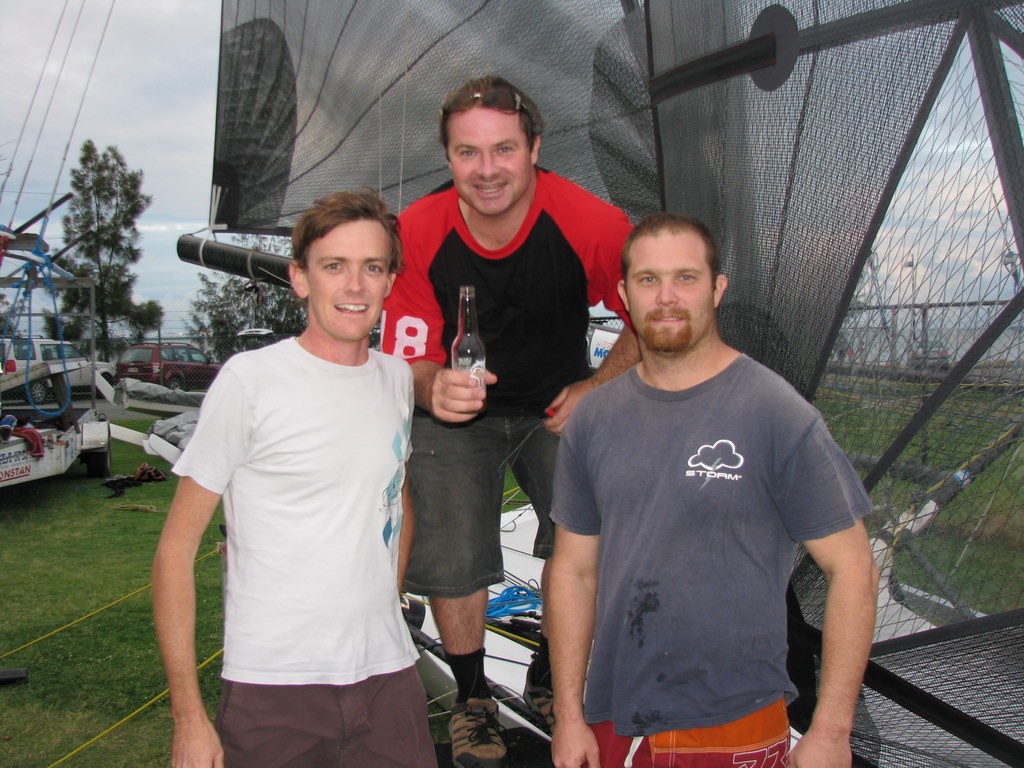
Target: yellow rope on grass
90,615
135,507
124,720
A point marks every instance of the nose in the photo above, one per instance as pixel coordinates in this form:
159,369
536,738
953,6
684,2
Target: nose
487,166
355,281
666,293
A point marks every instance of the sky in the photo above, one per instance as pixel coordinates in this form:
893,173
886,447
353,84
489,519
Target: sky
152,94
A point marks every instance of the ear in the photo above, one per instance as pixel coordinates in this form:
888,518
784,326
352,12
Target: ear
535,152
391,283
297,275
721,283
622,294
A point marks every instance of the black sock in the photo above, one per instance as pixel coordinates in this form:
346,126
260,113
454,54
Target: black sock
468,670
540,667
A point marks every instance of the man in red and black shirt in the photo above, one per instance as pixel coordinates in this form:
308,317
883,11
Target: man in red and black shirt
540,251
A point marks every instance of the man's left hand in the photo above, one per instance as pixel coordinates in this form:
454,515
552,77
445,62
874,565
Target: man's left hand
560,408
814,751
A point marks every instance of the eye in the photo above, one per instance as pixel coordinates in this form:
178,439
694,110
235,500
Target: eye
374,268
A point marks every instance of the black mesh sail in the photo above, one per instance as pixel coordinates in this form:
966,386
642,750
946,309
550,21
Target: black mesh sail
861,164
323,95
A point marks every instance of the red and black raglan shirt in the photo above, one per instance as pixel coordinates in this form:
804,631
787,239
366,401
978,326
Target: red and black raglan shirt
532,295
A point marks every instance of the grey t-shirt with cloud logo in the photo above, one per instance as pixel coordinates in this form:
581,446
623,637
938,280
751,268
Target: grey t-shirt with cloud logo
700,498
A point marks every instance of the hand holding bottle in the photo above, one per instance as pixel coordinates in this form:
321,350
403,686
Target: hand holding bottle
459,393
468,352
456,396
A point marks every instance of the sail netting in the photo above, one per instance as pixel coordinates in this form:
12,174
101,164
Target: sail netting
318,95
323,95
870,210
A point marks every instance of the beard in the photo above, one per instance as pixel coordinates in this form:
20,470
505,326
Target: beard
666,341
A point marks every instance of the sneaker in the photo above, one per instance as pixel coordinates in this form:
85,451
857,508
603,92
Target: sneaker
476,737
542,701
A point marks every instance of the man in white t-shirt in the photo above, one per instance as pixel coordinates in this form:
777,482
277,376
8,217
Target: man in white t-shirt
306,443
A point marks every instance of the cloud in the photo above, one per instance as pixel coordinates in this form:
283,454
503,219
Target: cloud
721,455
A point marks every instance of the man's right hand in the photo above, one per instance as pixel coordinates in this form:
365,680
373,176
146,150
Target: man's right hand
456,397
573,745
196,744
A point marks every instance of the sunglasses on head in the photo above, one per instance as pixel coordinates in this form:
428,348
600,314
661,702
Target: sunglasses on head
500,99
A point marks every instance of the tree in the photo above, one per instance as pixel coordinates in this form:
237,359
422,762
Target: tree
226,304
100,230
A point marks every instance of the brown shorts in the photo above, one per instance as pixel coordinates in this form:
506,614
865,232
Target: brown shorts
759,740
380,722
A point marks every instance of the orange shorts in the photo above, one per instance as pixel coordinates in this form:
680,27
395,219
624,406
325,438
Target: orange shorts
759,740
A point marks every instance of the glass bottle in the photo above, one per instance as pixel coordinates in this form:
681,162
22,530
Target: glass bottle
468,352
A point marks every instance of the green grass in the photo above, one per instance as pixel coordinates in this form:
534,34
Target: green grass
976,539
70,550
77,614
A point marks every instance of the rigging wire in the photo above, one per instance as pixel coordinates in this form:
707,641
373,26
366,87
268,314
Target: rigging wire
401,143
78,114
28,112
46,112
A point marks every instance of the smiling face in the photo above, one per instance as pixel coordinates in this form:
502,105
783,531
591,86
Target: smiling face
344,284
671,293
492,164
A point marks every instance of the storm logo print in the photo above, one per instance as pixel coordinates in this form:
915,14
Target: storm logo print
712,461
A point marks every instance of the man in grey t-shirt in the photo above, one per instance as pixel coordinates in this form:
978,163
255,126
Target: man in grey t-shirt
682,489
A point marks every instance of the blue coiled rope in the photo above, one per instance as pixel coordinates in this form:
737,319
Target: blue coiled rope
513,600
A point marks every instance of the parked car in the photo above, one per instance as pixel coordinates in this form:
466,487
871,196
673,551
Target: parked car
19,351
175,365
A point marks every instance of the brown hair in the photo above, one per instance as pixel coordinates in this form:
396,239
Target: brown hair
340,208
492,92
673,224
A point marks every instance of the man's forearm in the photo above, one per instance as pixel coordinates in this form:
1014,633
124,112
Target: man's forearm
570,609
174,593
846,644
624,354
174,614
423,374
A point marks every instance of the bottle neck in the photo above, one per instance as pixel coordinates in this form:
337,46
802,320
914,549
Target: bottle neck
467,312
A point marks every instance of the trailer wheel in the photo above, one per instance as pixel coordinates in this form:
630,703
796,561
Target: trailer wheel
97,463
40,392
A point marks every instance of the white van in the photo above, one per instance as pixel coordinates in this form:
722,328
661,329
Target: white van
19,351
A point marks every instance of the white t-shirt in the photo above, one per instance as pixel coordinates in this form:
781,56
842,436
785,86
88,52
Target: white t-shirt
310,459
